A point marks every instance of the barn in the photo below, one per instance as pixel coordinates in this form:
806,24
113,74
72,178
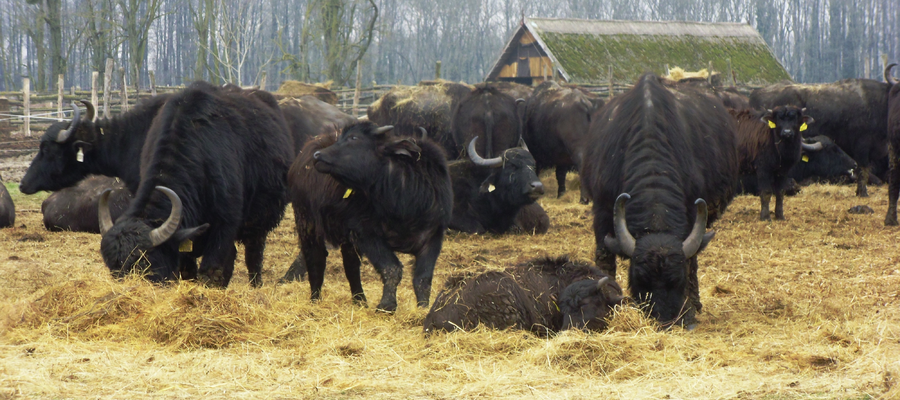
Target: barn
583,51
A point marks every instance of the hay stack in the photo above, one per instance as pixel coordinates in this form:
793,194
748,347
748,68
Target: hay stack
322,91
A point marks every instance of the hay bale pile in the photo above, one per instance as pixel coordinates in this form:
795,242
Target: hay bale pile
322,91
803,308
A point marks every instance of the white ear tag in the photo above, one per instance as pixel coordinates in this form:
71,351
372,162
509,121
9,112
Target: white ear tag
491,188
80,155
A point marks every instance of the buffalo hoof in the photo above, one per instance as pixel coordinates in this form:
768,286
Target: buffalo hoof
388,308
690,327
584,200
360,300
890,222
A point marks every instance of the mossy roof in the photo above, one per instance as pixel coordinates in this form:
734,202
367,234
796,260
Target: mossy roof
583,50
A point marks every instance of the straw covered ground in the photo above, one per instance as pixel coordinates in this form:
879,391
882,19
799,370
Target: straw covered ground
802,309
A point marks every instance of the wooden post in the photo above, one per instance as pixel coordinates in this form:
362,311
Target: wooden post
709,77
264,75
94,76
124,96
610,81
107,87
437,70
26,100
60,93
153,83
356,93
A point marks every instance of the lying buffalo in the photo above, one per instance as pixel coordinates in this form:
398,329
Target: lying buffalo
75,208
542,295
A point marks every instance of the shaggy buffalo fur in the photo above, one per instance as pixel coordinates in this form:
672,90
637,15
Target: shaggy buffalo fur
890,219
371,193
490,114
542,295
667,148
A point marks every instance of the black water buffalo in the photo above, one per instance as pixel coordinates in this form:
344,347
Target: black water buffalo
890,219
70,151
488,194
543,295
852,112
730,97
828,164
428,105
75,208
673,154
556,120
214,167
308,117
371,193
491,114
769,146
7,208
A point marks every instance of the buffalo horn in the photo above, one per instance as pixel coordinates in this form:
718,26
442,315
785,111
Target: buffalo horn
602,282
691,245
159,235
626,241
523,145
90,110
383,129
106,222
887,75
424,132
473,155
815,146
76,118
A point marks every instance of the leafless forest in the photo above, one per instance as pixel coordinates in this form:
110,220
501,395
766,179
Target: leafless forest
395,40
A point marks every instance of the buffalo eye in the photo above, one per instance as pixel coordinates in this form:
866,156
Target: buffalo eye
353,138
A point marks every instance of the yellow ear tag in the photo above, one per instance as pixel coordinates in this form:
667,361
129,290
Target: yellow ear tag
771,125
491,188
186,246
79,156
805,158
803,127
348,193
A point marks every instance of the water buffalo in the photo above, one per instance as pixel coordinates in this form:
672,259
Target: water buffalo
660,164
769,146
214,167
308,117
852,112
488,194
372,193
556,120
491,114
890,219
75,208
7,208
543,295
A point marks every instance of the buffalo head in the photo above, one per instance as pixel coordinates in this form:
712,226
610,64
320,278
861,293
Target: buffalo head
132,245
59,162
787,121
659,262
586,304
362,152
514,180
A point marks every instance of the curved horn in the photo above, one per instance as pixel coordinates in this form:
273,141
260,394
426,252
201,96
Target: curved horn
424,132
887,75
626,241
691,245
90,110
602,282
473,155
523,145
159,235
76,119
815,146
106,222
383,129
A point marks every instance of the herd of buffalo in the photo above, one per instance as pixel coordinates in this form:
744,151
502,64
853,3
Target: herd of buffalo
184,176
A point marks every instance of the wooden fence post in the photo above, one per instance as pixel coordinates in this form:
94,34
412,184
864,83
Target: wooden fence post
152,83
356,93
124,91
262,80
26,100
60,93
107,87
610,81
94,76
437,70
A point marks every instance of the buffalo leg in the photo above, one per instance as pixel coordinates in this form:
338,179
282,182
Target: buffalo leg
217,265
779,205
314,254
861,181
188,266
893,188
351,271
605,259
424,268
561,181
764,198
388,266
693,306
254,248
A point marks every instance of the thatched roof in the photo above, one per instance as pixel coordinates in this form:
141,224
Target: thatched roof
581,51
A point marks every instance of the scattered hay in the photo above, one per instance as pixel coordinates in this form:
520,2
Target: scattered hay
322,91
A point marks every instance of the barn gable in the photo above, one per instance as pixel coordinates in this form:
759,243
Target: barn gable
582,51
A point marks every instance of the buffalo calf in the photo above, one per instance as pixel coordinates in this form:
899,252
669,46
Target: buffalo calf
542,295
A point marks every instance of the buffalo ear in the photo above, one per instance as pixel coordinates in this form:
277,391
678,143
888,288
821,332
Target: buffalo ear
404,148
488,185
86,146
808,120
707,237
767,117
189,233
612,244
